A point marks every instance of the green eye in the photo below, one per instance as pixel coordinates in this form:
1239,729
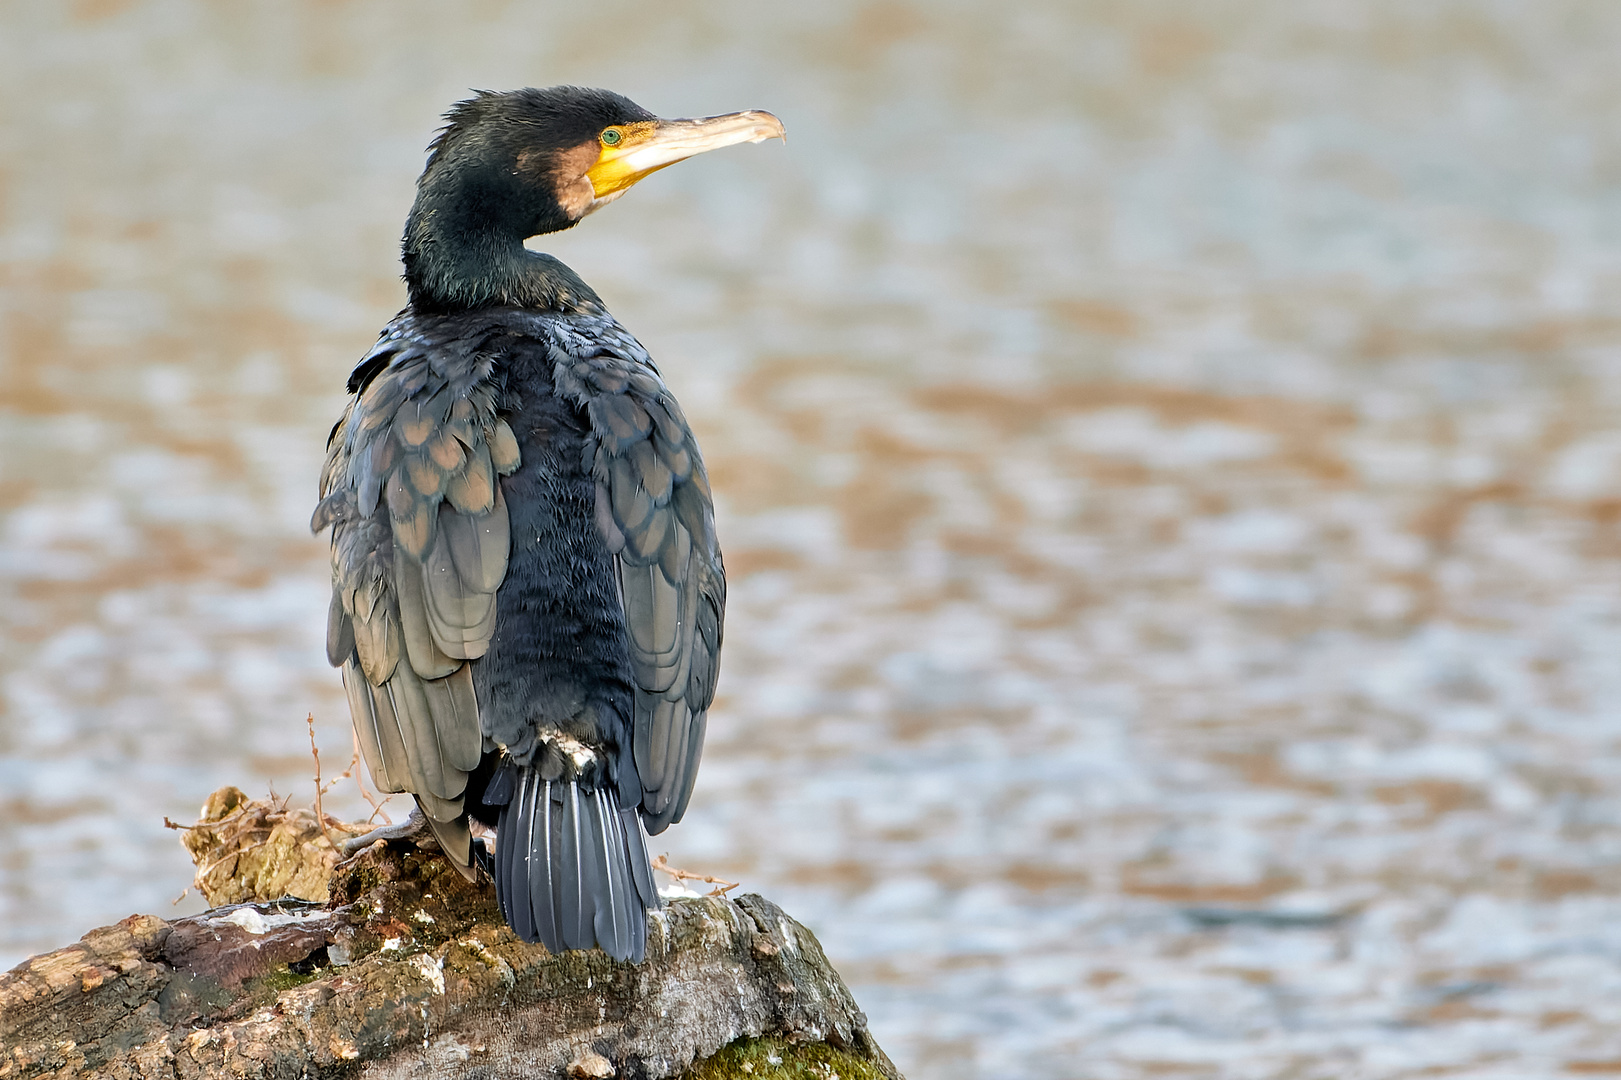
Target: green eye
612,137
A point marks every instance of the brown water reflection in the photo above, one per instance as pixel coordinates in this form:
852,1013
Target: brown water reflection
1168,467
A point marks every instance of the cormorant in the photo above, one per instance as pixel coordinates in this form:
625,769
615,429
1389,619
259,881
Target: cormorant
527,593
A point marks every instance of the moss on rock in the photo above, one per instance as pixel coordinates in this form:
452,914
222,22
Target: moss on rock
776,1059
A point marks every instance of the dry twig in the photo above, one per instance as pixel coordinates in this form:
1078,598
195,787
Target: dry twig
204,871
662,863
320,815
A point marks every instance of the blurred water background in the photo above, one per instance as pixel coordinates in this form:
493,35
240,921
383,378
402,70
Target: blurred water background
1167,457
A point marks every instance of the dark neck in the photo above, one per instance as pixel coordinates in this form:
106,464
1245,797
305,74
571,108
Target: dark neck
458,266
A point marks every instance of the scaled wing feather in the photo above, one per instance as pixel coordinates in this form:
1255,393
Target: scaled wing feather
420,540
655,513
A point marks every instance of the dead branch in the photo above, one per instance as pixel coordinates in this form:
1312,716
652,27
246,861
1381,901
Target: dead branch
662,864
315,751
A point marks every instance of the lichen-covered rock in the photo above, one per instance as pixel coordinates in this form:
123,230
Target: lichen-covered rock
410,972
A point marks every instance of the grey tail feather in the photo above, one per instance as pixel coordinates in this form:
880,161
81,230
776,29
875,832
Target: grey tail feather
571,868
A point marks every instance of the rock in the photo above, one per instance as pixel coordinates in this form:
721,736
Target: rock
247,849
409,972
590,1066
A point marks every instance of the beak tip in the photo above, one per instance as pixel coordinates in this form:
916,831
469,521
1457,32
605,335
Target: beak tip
772,129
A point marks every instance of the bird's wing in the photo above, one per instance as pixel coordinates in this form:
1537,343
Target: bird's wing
419,547
654,509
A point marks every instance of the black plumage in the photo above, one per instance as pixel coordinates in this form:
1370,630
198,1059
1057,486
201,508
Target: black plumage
527,590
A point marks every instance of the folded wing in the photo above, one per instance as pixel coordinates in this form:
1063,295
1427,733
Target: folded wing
653,507
419,546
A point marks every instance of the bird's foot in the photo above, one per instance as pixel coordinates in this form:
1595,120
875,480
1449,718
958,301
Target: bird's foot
413,828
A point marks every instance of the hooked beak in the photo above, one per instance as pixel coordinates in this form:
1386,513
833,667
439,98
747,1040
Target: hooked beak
648,146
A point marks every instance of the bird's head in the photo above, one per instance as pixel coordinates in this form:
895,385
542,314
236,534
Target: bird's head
508,166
